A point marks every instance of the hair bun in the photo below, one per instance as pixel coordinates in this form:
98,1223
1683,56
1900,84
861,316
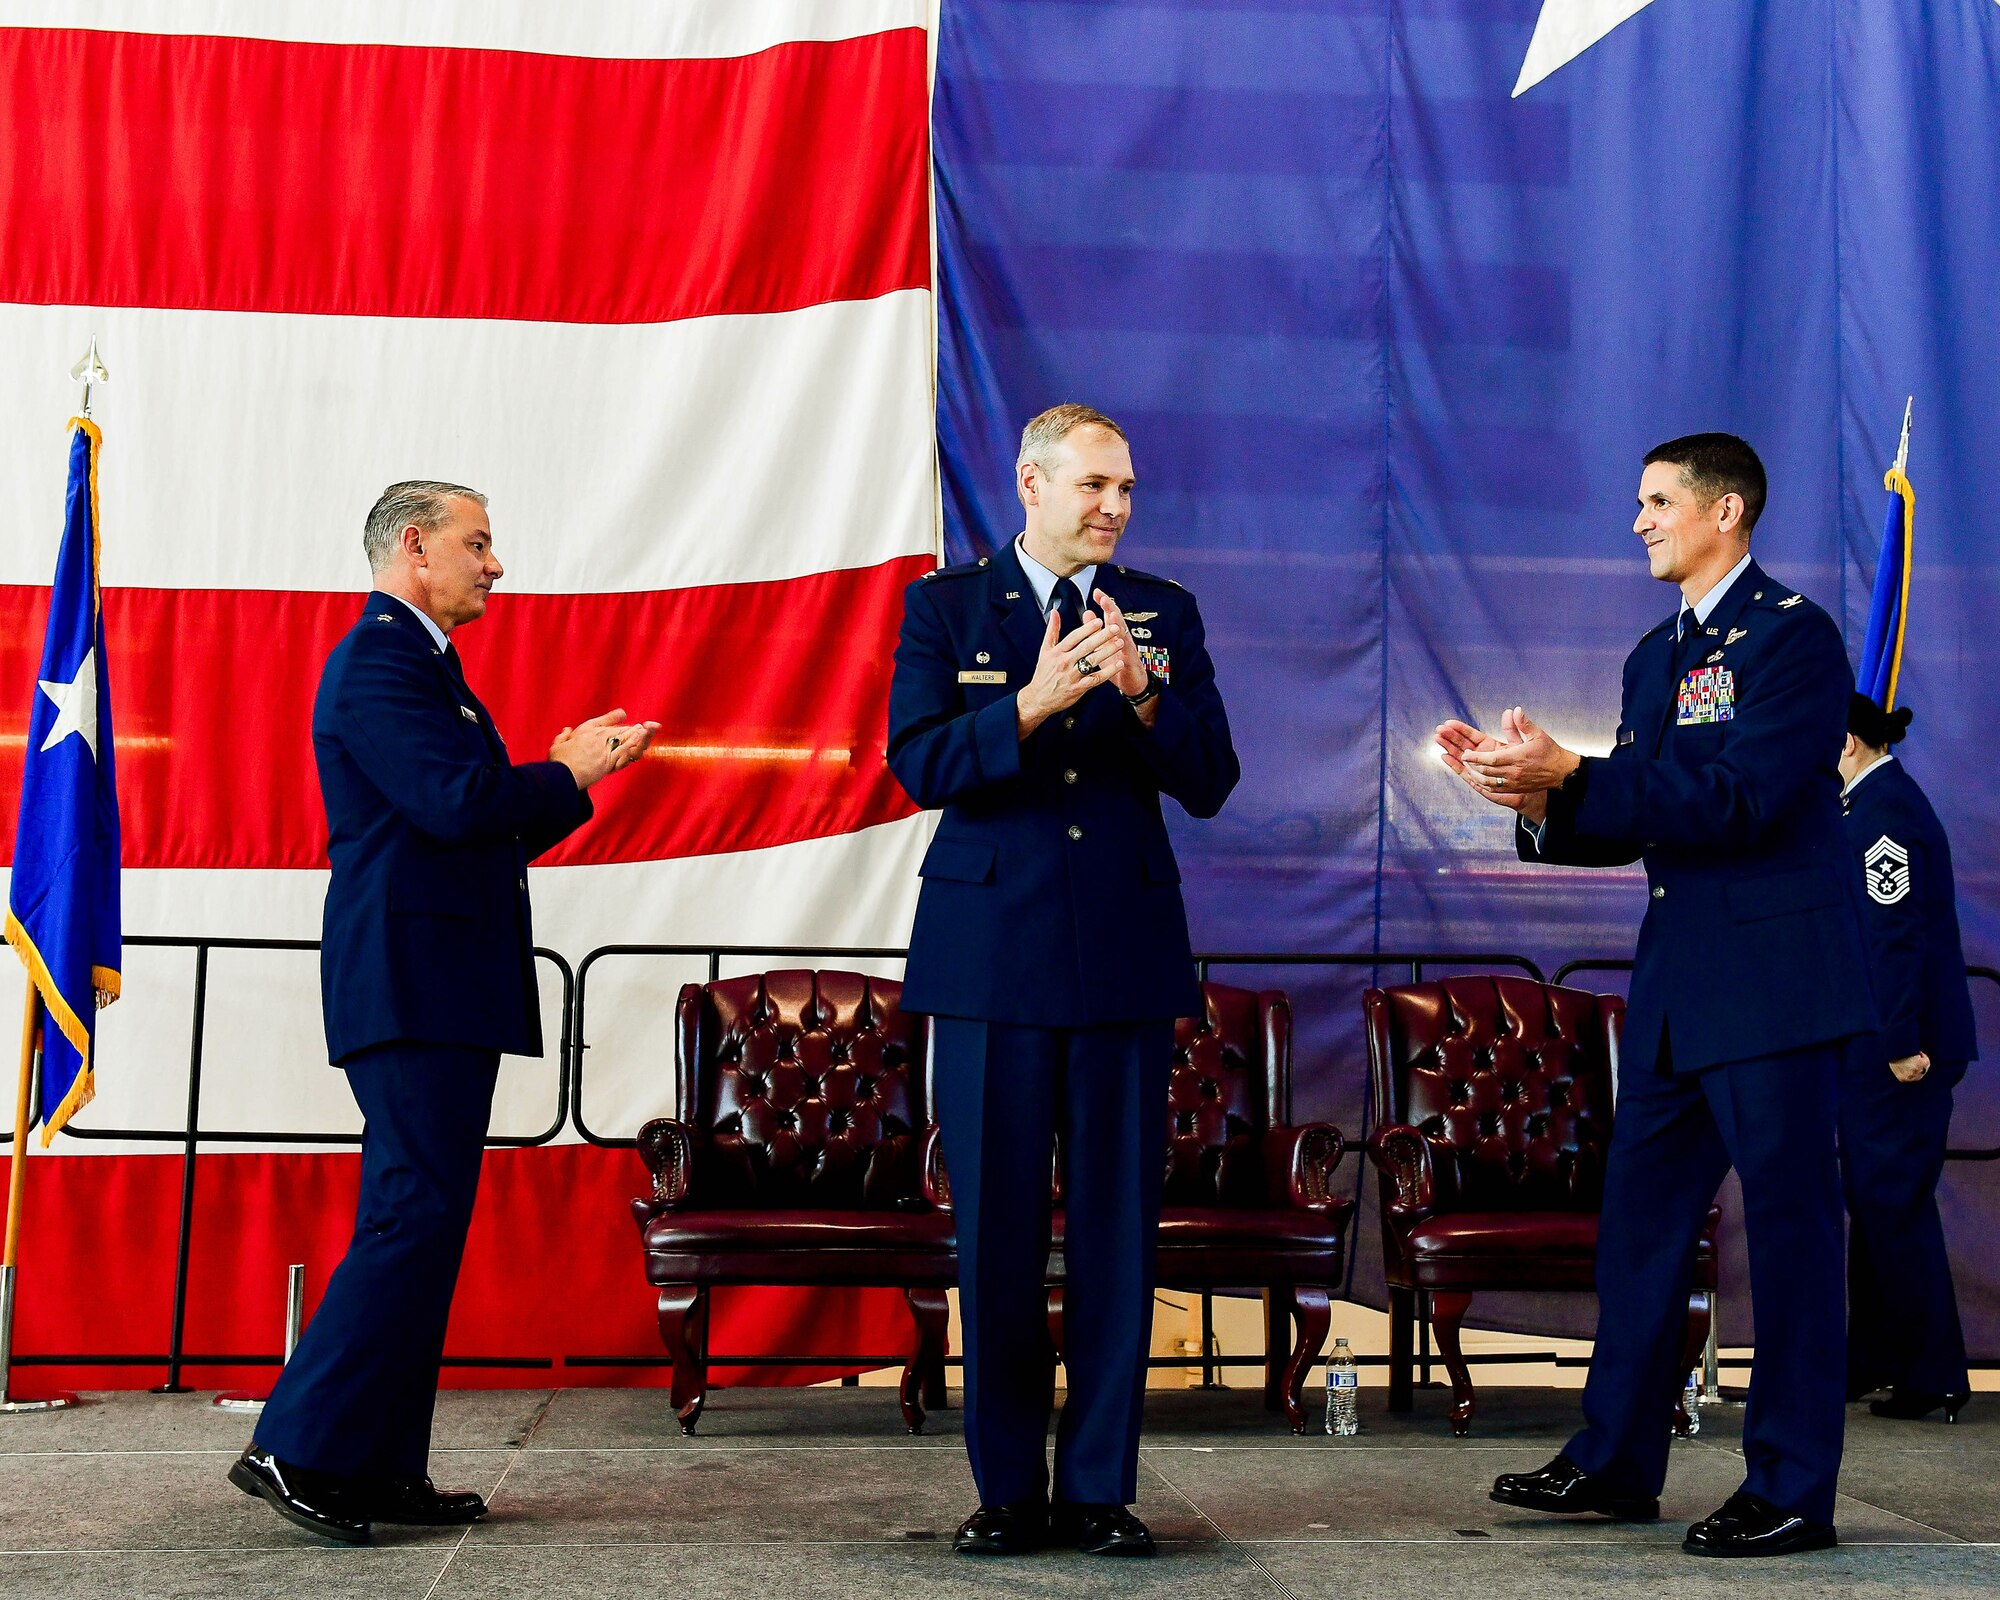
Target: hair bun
1899,723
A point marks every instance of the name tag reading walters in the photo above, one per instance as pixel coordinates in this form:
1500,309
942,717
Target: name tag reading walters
995,675
1707,694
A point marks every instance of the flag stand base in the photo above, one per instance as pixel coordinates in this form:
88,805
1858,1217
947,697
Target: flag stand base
240,1402
55,1402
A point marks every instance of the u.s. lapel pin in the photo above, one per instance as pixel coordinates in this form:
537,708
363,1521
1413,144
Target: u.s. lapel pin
1013,594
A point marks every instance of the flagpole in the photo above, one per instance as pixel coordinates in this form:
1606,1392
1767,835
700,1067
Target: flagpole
17,1172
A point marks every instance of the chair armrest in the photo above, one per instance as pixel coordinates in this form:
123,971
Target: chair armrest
667,1148
1404,1154
1299,1163
936,1181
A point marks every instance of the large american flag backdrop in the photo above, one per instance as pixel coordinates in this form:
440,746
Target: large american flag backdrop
657,279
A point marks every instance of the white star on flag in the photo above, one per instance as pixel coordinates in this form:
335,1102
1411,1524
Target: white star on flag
1567,28
76,705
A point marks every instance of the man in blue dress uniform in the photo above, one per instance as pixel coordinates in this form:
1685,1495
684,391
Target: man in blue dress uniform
1903,1330
1045,699
1748,976
427,976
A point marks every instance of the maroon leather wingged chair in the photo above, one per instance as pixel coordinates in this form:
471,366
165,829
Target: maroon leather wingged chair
1495,1096
797,1158
1250,1201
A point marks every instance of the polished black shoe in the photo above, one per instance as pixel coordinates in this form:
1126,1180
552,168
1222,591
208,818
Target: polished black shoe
1100,1530
1748,1525
1913,1405
414,1502
1562,1486
315,1501
1013,1530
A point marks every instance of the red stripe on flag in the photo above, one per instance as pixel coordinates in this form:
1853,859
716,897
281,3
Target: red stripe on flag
774,698
379,180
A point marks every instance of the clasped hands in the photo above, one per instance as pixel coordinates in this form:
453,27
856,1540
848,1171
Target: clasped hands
1098,650
595,749
1516,770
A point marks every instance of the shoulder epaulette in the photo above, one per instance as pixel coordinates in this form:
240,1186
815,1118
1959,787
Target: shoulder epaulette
1148,577
1664,622
964,569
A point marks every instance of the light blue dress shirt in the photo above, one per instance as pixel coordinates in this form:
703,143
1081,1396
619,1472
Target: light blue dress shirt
422,616
1044,582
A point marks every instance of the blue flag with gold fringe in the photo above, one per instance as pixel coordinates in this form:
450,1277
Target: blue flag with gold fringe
1889,602
63,902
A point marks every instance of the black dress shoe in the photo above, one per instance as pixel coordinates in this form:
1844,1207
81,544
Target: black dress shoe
1748,1525
1100,1530
315,1501
1913,1405
1012,1530
1563,1486
415,1502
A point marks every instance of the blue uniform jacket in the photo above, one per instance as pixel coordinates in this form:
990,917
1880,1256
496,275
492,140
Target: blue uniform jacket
1725,782
1050,897
1911,917
430,830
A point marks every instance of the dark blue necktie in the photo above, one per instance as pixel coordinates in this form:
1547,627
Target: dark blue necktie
1069,605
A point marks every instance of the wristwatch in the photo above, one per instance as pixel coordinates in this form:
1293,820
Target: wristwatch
1150,692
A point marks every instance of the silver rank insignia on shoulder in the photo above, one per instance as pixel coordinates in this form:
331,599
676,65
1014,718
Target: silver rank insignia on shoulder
1735,634
468,713
1140,616
1789,601
1887,869
383,616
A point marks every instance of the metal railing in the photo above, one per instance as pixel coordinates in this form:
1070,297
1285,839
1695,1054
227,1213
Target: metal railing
191,1135
1972,970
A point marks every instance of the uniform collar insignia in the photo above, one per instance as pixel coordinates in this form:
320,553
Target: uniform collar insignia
1735,634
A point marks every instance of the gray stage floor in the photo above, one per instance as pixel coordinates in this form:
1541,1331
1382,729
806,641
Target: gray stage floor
819,1492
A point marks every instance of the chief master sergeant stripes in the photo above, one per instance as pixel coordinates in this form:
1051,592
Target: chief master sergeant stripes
1748,975
1051,946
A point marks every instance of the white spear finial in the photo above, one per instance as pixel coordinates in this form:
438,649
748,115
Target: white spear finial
1903,444
90,370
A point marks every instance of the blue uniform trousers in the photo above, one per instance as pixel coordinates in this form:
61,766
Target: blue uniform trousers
1903,1326
1674,1140
1002,1092
357,1395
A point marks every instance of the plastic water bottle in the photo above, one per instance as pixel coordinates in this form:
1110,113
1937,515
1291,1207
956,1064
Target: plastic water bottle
1691,1402
1343,1392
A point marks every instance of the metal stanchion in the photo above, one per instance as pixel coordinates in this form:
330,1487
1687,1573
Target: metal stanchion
295,1313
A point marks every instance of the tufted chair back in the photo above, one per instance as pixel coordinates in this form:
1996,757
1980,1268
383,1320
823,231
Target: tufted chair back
1508,1080
1232,1081
802,1090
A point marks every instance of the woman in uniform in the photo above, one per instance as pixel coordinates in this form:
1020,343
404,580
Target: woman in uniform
1896,1087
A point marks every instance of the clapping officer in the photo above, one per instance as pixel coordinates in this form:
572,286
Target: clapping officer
1895,1088
1749,974
1046,699
427,977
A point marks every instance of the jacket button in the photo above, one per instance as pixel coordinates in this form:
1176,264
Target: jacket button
1075,832
1659,893
1069,775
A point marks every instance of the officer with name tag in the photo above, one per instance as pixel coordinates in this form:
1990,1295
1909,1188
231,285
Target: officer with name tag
1748,977
427,974
1903,1331
1045,699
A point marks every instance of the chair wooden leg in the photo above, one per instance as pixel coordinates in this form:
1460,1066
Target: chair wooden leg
1311,1307
1402,1348
683,1315
1692,1344
1277,1345
929,1312
1448,1309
